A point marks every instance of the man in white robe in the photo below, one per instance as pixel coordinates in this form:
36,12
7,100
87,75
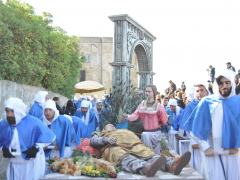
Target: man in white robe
22,138
216,126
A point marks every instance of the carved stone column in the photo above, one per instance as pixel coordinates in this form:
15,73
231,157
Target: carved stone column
130,37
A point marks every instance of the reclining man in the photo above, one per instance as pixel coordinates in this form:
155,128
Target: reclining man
124,148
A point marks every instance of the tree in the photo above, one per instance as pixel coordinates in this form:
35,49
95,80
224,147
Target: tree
34,52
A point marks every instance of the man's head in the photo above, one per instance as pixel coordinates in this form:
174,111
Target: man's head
200,91
15,110
99,105
225,82
85,104
228,64
50,110
224,86
10,116
172,104
109,127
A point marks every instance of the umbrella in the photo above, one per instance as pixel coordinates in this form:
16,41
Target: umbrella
88,87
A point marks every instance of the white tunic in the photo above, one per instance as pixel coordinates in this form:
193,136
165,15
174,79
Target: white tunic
221,166
196,158
21,169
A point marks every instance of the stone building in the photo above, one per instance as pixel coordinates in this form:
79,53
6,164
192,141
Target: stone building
98,52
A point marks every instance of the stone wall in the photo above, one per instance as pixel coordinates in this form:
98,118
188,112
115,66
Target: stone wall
99,53
24,92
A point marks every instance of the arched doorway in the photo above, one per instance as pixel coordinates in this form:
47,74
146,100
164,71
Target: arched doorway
130,39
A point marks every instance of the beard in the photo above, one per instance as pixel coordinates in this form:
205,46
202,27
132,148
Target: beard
84,113
225,92
11,120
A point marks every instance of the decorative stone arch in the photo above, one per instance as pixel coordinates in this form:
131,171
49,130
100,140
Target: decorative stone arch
130,37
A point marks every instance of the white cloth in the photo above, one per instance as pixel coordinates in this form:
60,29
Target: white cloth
17,106
172,102
213,166
85,103
196,158
50,104
85,119
40,97
21,169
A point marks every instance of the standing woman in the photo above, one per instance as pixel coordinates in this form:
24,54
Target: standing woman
153,115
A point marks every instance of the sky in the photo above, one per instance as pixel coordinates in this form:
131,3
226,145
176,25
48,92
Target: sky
191,34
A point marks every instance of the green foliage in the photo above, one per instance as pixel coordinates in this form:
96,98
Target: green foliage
34,52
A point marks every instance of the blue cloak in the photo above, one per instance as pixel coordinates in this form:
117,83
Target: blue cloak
187,117
173,119
36,111
202,124
82,130
30,131
65,135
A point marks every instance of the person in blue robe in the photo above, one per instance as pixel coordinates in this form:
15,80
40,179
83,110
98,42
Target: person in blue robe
88,121
186,120
185,123
174,112
62,127
22,139
37,107
216,126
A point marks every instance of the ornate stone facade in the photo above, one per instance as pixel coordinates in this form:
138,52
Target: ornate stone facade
130,37
125,64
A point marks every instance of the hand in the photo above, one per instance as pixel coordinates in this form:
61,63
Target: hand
195,146
112,140
123,117
209,152
31,152
6,153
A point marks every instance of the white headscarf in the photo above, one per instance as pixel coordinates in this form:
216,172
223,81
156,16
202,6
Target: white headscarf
18,107
40,97
86,104
229,74
50,104
172,102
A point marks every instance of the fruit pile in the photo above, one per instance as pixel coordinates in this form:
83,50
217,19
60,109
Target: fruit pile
84,165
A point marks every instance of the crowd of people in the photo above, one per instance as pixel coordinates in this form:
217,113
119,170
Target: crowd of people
209,118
